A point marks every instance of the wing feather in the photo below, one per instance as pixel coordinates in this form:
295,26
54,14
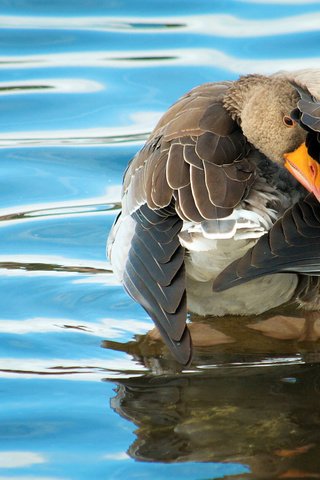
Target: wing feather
177,171
187,204
155,275
193,167
291,245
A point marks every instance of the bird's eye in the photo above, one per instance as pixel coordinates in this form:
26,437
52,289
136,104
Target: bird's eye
288,121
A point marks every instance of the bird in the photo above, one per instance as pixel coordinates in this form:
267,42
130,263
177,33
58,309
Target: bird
293,242
208,183
304,162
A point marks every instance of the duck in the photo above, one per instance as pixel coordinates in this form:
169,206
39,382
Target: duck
293,242
209,182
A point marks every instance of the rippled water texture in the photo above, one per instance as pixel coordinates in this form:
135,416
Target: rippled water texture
85,391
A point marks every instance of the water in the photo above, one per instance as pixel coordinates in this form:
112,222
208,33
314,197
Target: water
86,392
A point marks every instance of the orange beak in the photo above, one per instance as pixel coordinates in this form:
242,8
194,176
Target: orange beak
304,168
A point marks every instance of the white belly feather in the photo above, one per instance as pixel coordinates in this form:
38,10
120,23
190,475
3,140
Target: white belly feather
209,254
253,297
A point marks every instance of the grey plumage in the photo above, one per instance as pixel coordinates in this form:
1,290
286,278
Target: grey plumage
198,167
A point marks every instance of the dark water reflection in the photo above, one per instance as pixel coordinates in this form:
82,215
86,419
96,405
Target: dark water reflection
267,418
250,397
277,337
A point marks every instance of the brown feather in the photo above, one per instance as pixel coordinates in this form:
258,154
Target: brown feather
187,205
186,136
187,123
161,193
177,170
234,172
190,156
201,197
216,121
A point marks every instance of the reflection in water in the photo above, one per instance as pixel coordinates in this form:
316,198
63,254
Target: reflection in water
266,418
232,341
251,396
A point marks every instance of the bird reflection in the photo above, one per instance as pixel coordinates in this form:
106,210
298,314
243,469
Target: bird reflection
266,418
251,396
277,337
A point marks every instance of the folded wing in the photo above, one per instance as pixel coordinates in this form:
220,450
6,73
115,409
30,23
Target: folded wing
192,168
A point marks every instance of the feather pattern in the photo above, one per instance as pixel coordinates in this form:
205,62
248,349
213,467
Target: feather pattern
155,275
193,158
196,131
197,182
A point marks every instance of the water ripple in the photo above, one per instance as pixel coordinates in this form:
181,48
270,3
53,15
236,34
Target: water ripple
223,25
79,138
52,85
93,23
45,266
65,211
82,85
155,57
80,369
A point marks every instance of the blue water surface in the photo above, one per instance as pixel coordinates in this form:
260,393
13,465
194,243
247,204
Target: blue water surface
81,86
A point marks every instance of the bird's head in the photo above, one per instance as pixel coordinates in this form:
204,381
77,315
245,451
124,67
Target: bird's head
266,121
303,162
